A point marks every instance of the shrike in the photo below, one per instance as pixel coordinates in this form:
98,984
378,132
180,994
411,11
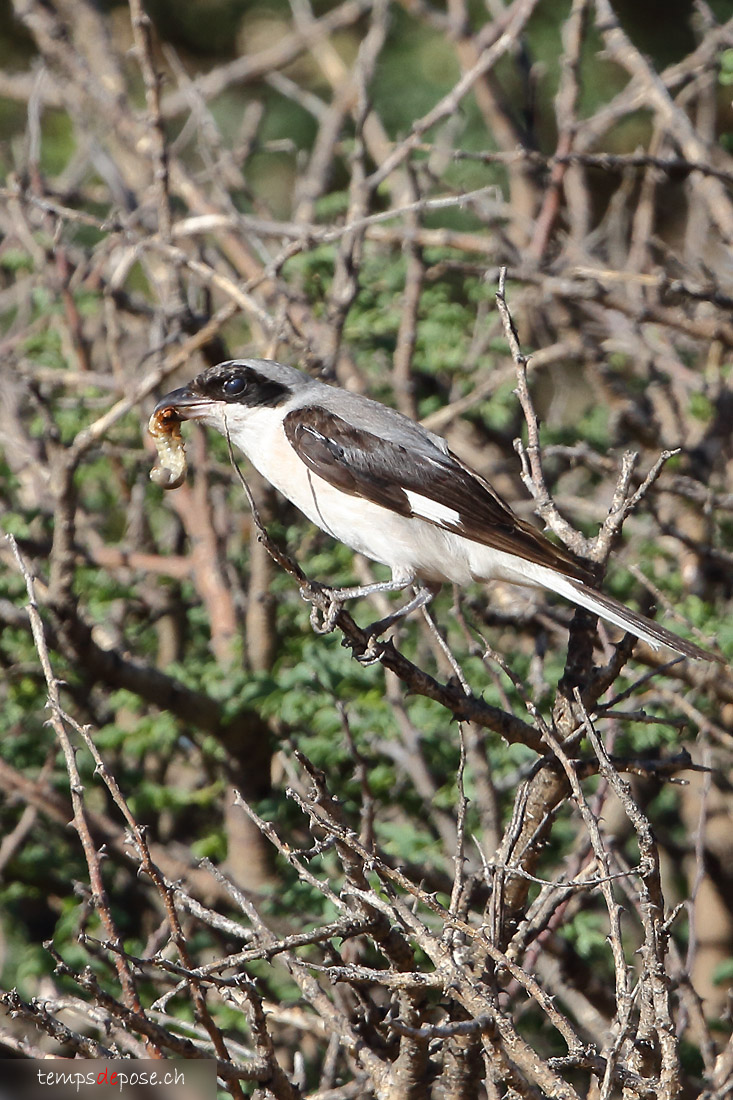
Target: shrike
388,488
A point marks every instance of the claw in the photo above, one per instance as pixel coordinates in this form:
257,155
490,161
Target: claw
371,655
327,621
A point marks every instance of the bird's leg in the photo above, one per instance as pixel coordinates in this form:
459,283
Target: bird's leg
423,595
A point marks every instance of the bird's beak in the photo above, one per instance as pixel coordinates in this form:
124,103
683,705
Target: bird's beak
185,402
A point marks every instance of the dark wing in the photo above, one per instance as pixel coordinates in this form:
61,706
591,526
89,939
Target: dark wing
420,481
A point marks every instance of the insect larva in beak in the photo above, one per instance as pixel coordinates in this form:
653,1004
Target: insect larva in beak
170,470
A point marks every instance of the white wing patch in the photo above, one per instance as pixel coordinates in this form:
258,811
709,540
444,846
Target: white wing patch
432,509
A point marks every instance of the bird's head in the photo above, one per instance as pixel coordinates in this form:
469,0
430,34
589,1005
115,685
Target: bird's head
230,391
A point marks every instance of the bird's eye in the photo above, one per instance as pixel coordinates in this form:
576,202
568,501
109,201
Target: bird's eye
234,386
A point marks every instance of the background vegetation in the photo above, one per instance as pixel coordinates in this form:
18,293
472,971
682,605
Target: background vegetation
423,876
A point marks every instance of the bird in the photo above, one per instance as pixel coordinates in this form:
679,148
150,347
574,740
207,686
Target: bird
390,489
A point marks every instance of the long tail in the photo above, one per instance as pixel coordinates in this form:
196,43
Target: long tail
620,615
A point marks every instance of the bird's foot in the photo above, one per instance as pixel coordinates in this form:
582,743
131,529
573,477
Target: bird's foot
372,653
374,631
323,620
